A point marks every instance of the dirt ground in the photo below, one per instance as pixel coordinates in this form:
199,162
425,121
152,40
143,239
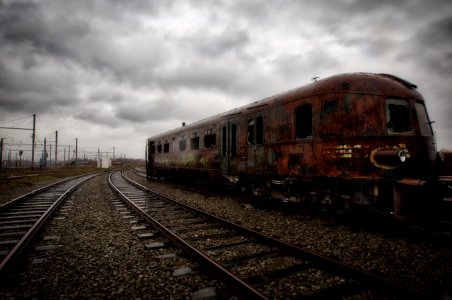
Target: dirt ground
15,182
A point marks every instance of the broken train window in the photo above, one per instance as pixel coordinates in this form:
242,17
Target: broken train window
256,130
194,141
182,143
166,146
303,121
329,106
259,130
398,116
250,131
210,138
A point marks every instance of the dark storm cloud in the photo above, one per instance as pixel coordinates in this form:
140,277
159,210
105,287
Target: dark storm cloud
139,61
84,32
33,91
344,9
27,23
433,45
431,48
89,36
38,103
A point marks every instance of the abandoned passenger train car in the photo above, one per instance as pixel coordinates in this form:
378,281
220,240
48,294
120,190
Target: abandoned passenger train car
348,139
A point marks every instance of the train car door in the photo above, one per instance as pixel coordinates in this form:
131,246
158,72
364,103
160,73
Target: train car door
255,144
229,157
150,153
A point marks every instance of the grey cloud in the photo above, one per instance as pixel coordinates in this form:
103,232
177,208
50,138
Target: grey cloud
230,77
214,45
255,10
29,83
95,116
67,57
370,8
314,61
133,111
12,102
28,23
432,46
436,34
48,29
212,75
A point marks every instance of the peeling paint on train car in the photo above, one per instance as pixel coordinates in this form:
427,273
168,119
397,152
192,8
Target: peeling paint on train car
346,132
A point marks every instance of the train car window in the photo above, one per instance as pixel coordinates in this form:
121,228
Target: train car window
166,147
194,141
398,116
233,140
424,122
223,141
159,148
210,140
303,121
153,149
182,144
329,106
260,130
250,131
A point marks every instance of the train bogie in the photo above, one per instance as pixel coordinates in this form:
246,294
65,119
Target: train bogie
349,139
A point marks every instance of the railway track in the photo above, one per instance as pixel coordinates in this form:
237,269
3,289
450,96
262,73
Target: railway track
21,218
435,231
251,264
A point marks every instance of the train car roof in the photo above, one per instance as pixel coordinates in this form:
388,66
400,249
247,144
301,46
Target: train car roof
348,83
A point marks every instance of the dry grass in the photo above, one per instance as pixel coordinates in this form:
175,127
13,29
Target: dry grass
16,182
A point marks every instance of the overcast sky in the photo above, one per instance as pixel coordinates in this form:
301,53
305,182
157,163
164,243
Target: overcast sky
112,73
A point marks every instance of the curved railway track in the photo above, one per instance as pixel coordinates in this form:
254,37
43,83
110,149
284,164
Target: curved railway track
437,231
21,218
249,263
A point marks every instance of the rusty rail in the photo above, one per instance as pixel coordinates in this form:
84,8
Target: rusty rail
368,279
213,268
20,246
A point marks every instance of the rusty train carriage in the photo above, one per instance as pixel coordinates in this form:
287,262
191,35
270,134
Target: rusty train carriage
351,138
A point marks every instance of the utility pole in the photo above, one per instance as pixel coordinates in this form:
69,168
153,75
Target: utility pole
33,136
33,139
56,148
1,153
76,150
44,158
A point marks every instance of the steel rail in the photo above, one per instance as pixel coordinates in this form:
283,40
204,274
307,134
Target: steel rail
20,246
212,267
367,278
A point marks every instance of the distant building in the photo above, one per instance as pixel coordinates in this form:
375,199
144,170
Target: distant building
104,163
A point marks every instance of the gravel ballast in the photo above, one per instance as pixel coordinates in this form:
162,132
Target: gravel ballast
423,266
98,256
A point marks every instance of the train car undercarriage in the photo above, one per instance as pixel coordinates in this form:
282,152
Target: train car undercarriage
404,198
